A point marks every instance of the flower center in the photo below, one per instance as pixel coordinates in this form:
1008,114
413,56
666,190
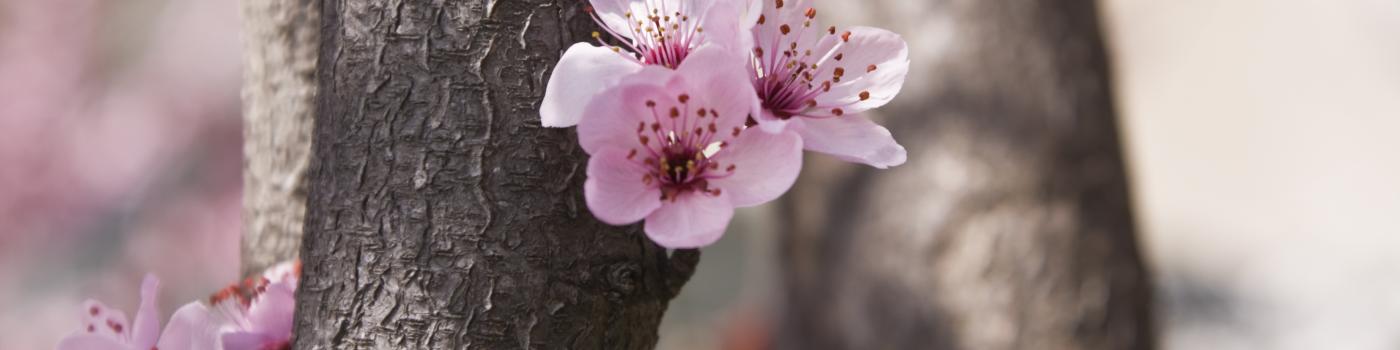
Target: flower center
790,73
658,35
678,147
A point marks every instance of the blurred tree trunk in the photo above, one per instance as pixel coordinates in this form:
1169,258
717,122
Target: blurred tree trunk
1009,227
279,87
440,214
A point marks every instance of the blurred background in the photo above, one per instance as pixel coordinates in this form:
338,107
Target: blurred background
1259,136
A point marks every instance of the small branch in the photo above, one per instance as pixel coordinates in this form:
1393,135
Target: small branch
681,266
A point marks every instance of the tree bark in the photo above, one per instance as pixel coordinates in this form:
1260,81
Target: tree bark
440,214
1008,228
279,87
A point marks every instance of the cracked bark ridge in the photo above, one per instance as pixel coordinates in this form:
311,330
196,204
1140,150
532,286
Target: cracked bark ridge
440,214
279,87
1008,228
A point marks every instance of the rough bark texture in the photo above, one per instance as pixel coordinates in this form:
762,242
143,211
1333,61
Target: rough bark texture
441,215
1009,227
279,87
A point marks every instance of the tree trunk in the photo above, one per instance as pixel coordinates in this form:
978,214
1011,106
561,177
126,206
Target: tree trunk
279,87
1009,227
440,214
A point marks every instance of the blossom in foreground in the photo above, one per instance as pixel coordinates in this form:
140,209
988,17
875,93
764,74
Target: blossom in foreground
671,147
652,33
262,321
105,328
816,81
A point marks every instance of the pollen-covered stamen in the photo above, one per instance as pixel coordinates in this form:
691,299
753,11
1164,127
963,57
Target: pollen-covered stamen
681,160
657,35
792,73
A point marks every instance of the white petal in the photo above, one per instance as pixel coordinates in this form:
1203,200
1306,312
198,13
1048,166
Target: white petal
582,73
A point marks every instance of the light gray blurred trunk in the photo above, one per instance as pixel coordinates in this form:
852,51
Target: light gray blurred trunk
279,90
1009,227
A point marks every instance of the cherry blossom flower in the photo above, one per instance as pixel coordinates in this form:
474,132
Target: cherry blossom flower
105,328
672,147
817,80
262,321
652,33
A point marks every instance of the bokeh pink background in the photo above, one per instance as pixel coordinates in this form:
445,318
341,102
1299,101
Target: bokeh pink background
120,154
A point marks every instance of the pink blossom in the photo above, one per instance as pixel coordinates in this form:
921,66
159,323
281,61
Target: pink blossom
651,32
106,328
264,321
815,80
672,147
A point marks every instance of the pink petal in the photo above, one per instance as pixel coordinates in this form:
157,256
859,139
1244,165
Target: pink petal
613,116
271,312
716,78
852,138
765,166
792,13
188,329
691,220
728,23
99,319
868,47
238,340
90,342
615,191
146,327
582,73
770,123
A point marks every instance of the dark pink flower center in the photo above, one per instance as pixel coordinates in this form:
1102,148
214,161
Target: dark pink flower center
789,76
678,145
658,35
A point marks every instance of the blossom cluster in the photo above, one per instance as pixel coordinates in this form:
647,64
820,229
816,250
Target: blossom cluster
692,108
254,315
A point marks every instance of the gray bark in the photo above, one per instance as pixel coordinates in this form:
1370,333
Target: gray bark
440,214
279,87
1009,227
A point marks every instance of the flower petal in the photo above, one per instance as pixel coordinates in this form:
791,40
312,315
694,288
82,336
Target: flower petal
614,15
105,321
765,166
90,342
716,77
188,329
582,73
286,273
146,327
874,64
852,138
240,340
271,312
614,115
728,23
770,123
691,220
615,191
